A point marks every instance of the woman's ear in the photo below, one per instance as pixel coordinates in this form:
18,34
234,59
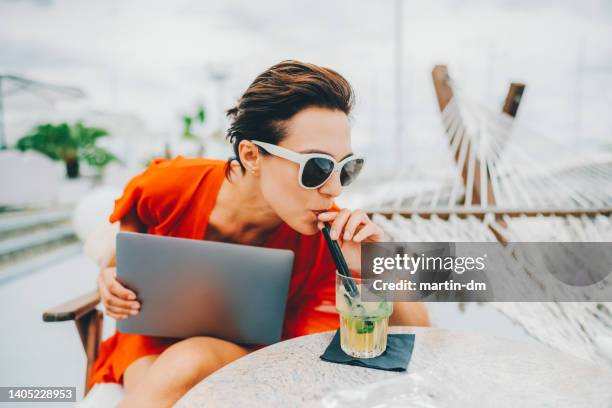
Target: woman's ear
249,155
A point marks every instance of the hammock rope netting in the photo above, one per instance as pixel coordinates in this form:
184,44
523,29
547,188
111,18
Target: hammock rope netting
506,176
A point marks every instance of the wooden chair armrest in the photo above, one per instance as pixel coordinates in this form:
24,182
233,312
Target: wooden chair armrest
73,309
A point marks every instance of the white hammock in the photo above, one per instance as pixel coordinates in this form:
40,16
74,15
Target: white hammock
579,328
498,148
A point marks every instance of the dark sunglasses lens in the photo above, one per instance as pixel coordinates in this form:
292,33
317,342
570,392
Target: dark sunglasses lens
316,171
350,171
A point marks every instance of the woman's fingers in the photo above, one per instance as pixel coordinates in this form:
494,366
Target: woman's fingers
110,300
338,223
115,300
334,232
119,302
109,276
120,312
366,231
121,291
117,313
357,218
124,304
110,282
370,232
351,225
115,306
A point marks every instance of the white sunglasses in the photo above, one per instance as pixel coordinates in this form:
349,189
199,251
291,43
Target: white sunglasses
317,168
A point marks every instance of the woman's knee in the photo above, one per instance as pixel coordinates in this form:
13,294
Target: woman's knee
191,357
197,357
176,370
137,371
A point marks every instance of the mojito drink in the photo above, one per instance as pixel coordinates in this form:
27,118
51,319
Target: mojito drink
363,325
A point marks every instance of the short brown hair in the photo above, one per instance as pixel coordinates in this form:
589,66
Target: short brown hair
277,94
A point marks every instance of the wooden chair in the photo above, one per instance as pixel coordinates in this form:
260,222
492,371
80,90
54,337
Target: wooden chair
99,246
88,319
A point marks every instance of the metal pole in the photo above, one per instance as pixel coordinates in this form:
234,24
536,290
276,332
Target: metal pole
398,82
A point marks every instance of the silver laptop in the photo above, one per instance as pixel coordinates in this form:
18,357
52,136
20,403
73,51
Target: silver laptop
190,287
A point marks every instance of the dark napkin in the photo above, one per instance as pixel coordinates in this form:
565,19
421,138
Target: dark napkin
395,358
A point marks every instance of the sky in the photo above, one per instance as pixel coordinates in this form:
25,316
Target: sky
149,62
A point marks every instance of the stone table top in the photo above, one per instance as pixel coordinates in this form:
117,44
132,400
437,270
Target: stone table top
448,368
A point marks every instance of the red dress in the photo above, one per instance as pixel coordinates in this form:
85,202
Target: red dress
175,198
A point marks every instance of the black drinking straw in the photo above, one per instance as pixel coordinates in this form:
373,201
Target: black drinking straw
339,260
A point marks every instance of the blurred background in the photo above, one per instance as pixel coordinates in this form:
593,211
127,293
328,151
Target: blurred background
90,92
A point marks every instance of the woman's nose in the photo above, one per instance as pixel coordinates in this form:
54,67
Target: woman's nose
333,186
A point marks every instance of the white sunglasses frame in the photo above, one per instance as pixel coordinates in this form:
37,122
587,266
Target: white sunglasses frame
302,158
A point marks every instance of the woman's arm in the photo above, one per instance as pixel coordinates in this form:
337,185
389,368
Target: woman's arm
119,302
409,314
131,223
351,228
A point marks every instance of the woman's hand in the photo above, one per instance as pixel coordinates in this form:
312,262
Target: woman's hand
350,229
118,301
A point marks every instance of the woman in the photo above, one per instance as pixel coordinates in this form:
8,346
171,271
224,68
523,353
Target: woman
292,143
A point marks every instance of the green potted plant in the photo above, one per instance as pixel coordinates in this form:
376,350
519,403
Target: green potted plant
188,122
69,143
